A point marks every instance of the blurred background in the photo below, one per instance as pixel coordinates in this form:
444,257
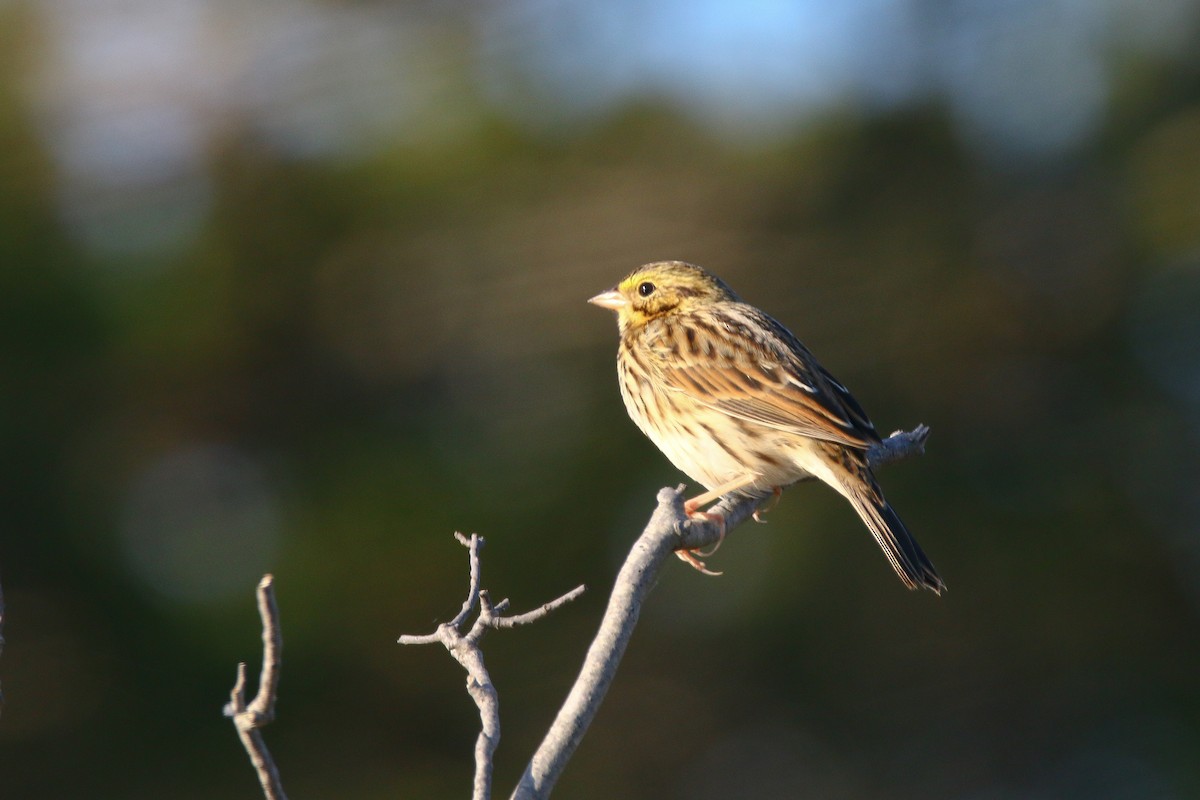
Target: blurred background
300,287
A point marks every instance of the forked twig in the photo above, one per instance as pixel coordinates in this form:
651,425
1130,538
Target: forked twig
261,710
465,649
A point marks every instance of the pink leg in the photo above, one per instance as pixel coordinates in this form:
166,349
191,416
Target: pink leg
770,505
692,508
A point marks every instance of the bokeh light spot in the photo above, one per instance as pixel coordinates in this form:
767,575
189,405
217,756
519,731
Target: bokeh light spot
200,524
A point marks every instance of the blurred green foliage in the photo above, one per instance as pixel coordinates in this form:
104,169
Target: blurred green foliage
322,362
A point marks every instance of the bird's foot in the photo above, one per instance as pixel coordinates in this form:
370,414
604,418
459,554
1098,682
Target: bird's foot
692,509
767,506
692,557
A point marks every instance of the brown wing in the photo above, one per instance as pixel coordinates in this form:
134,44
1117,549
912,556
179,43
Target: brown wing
734,358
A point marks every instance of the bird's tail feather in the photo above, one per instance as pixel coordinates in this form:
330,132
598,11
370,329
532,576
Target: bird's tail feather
901,549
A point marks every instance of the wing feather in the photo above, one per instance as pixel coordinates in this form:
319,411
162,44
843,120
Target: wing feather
741,362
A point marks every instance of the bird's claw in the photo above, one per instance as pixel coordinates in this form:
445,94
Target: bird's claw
767,506
689,557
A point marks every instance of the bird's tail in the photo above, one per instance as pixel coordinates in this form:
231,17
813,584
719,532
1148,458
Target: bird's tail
901,549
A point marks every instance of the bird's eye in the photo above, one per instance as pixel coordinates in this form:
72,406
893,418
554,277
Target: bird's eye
646,288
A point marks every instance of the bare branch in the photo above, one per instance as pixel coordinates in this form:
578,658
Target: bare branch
634,582
473,545
272,638
465,649
261,710
538,613
425,638
669,529
900,445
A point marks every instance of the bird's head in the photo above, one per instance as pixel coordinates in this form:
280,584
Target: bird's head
661,288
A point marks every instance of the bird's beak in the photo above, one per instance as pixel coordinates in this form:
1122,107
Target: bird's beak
611,299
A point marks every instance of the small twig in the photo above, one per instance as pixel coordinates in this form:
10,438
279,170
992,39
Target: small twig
261,710
465,649
537,613
669,529
898,446
473,545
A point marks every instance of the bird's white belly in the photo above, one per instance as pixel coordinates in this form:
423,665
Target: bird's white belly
706,460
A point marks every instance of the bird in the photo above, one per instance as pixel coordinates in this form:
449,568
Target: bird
735,401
